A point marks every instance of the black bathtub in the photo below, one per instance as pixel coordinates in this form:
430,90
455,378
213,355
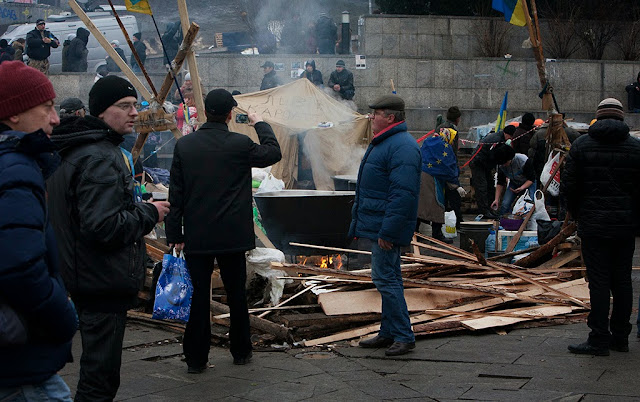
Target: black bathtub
320,218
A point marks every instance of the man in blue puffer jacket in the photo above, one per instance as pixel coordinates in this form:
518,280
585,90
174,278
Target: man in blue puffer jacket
385,211
37,320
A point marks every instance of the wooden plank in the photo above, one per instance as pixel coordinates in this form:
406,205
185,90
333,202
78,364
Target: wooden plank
279,331
416,244
336,249
304,320
370,301
262,237
261,309
546,248
288,300
560,260
193,65
501,321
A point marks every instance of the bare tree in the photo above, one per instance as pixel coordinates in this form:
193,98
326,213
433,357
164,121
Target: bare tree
493,36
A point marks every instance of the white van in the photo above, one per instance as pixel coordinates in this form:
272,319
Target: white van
63,25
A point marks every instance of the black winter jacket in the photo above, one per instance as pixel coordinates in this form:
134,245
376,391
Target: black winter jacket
98,225
30,284
111,64
484,156
66,45
314,76
345,80
77,57
211,188
601,181
270,80
36,48
141,49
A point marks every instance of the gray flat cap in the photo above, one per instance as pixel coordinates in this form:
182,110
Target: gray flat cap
390,102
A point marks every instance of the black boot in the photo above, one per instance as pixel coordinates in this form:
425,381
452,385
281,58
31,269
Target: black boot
586,348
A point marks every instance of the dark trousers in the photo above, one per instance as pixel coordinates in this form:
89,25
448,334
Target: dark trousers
454,203
482,182
102,335
609,264
197,336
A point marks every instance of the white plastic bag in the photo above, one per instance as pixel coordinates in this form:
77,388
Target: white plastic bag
270,184
449,227
523,204
259,263
545,176
540,214
259,174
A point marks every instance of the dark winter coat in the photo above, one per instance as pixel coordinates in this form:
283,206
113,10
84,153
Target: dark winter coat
211,188
98,224
172,38
65,55
141,49
484,156
30,284
345,80
633,98
7,53
522,138
36,48
601,181
326,35
314,76
77,57
111,64
270,80
388,188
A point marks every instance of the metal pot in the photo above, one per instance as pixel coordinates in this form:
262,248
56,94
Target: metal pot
345,182
306,216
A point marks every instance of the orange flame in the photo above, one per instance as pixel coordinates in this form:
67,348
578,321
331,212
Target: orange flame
338,262
323,262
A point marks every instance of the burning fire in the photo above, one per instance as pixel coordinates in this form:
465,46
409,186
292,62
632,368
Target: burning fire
325,261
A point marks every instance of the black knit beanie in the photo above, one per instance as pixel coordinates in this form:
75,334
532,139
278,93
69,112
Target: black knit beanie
107,91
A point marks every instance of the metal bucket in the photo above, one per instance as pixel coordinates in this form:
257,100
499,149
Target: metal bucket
478,231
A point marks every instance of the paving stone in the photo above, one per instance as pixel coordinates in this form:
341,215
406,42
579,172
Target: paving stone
343,394
281,392
481,392
141,335
384,389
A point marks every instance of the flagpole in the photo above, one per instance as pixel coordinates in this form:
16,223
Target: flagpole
133,50
166,56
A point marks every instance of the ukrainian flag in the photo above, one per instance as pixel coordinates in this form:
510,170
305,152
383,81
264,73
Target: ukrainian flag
138,6
502,116
512,10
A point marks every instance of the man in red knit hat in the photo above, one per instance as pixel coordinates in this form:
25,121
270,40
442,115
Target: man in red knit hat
37,320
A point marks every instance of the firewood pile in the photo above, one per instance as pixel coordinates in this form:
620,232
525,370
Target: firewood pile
447,289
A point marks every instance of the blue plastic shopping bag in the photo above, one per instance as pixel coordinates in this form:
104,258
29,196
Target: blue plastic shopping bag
174,290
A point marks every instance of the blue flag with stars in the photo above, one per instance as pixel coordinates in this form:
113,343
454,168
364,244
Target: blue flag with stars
438,159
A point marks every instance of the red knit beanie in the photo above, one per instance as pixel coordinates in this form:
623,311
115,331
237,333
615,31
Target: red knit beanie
22,88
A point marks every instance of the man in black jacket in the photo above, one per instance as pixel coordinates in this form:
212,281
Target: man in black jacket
313,75
341,81
270,79
77,56
211,195
100,222
37,321
112,67
482,165
601,182
39,44
141,49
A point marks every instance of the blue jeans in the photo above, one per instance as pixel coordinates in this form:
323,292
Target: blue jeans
386,275
53,389
509,197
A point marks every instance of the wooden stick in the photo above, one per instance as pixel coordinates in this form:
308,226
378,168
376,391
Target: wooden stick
448,246
193,65
289,299
279,331
126,70
511,254
544,249
343,250
417,244
255,310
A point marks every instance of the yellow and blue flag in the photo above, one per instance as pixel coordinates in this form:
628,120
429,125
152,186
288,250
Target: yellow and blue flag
502,116
138,6
512,10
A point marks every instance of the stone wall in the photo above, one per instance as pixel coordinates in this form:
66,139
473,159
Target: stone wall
429,87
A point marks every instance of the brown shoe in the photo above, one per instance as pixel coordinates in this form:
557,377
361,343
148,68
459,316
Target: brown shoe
375,342
400,348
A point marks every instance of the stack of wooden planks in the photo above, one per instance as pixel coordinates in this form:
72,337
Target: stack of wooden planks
446,288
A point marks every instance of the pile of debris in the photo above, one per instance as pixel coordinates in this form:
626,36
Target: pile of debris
448,290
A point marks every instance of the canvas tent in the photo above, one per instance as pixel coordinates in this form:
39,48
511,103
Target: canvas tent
335,137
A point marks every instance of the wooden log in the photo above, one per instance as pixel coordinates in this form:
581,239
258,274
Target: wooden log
280,332
546,248
304,320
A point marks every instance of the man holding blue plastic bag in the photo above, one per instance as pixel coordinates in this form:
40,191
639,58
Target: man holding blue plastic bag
211,195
